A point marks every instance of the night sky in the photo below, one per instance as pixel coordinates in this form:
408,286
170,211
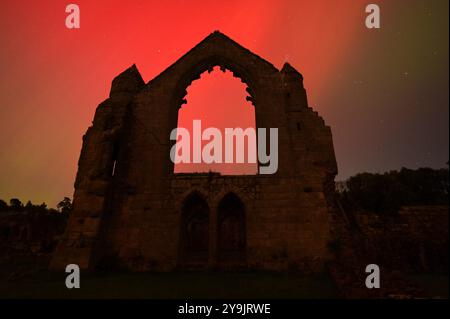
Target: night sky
383,92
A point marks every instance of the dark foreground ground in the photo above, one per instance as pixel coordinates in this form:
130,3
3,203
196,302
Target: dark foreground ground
172,285
191,285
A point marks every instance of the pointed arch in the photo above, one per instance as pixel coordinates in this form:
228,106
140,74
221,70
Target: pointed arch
194,232
231,230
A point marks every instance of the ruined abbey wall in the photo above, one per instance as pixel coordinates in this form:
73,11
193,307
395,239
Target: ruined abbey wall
128,203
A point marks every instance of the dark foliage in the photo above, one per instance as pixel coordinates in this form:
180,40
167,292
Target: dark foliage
386,193
65,206
15,205
3,205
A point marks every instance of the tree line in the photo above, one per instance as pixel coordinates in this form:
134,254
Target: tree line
386,193
379,193
15,205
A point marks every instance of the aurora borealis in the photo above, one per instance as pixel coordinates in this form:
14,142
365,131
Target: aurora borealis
383,92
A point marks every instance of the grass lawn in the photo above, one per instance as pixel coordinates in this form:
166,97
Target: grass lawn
432,284
172,285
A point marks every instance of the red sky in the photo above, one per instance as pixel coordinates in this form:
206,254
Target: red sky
363,82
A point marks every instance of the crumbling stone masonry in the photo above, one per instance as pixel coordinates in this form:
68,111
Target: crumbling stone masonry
132,211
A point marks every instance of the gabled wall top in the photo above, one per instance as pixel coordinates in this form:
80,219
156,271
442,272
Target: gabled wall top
213,45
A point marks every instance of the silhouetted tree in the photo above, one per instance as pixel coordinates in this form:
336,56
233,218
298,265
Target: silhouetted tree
386,193
3,205
15,204
65,205
29,206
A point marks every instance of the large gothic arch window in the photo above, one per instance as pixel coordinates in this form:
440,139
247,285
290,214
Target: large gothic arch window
194,239
231,230
221,100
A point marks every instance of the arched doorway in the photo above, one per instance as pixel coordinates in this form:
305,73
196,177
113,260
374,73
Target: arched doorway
231,231
194,237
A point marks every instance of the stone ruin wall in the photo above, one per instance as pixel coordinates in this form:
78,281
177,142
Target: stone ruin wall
134,216
414,240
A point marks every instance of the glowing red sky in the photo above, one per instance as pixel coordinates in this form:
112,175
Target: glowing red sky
375,88
217,99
